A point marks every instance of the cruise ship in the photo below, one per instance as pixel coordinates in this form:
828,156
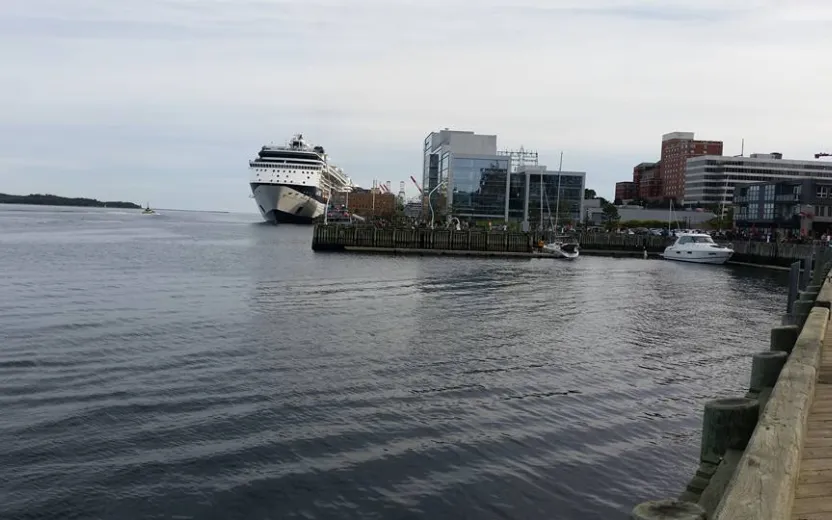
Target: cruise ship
292,183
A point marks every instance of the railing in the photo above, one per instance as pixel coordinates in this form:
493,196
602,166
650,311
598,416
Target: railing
791,197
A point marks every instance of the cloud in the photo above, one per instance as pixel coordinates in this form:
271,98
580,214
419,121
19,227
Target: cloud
183,92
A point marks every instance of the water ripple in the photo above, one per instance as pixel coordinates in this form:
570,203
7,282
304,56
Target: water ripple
201,366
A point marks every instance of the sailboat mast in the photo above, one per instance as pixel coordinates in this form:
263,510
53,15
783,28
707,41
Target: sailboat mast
541,200
557,202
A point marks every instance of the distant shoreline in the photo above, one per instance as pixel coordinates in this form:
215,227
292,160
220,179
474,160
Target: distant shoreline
54,200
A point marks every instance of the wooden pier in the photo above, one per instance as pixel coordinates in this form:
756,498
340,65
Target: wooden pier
480,242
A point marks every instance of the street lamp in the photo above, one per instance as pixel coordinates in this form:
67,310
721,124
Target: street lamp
430,203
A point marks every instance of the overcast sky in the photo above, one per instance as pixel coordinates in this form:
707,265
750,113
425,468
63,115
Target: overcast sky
167,100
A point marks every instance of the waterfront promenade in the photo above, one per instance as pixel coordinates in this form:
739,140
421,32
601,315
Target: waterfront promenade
813,494
768,455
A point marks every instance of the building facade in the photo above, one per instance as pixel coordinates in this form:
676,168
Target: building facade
648,180
440,146
367,203
804,205
533,197
677,148
478,186
714,179
594,215
626,190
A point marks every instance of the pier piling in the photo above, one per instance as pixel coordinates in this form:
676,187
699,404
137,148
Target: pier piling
784,337
802,308
765,369
727,424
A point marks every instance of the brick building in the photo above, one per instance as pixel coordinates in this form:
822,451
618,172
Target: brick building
363,203
625,190
677,148
648,181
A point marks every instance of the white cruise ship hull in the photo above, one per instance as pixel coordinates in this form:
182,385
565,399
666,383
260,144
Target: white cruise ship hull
280,203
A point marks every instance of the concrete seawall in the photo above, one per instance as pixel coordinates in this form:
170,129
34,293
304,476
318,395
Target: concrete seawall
752,446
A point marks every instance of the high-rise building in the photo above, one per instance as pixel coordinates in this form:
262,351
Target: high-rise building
677,148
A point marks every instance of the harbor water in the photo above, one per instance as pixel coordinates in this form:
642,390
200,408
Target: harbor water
207,366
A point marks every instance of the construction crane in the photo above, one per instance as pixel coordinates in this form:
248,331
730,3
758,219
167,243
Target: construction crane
822,154
417,185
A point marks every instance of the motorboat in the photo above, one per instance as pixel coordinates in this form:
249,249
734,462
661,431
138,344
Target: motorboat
564,248
697,248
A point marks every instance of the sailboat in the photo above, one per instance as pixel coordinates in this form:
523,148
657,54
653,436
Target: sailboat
562,246
147,210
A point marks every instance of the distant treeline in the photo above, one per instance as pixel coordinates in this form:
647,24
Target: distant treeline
54,200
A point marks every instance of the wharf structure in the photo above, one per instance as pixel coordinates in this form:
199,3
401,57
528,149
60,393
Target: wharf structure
483,242
767,455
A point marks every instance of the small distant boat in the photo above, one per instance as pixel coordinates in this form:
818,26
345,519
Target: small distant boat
148,211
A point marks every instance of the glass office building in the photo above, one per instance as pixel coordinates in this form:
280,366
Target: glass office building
517,196
480,183
478,186
540,200
571,195
440,147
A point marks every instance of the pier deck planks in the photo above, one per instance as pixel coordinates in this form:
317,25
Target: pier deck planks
813,494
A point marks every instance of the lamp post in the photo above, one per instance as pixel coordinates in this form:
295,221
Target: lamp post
430,203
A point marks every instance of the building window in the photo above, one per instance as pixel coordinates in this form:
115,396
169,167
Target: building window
479,187
444,164
823,192
753,193
768,210
753,211
769,192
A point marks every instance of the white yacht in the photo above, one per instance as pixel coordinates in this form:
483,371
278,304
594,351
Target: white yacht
293,182
568,249
698,248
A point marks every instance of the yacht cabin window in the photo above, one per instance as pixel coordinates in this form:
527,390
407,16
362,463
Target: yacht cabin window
696,240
